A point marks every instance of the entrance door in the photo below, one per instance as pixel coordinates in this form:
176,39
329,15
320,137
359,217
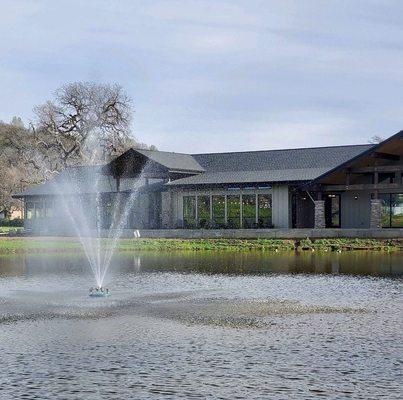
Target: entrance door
332,211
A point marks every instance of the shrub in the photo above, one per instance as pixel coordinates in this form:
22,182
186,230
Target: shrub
12,222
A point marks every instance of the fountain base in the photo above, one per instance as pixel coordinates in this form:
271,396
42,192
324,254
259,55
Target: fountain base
99,292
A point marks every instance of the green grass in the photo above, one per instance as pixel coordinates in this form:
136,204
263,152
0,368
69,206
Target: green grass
56,244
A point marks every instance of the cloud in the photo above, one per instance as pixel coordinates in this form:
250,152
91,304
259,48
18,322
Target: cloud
216,75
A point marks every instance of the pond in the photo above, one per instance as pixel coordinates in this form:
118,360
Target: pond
203,325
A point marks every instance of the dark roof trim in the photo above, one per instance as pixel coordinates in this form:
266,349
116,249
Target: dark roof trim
233,184
363,154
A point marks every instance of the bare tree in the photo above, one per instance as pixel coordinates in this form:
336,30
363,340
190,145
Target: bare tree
16,172
86,122
376,139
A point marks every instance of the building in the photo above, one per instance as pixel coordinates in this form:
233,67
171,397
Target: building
349,187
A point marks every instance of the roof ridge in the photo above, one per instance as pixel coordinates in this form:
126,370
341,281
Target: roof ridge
296,148
163,151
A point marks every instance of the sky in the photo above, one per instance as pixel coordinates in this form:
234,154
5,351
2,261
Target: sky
215,76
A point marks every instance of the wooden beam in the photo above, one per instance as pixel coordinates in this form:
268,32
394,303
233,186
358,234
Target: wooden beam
378,168
364,186
386,156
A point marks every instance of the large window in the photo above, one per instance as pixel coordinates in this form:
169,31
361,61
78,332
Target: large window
392,210
49,209
248,210
203,211
39,209
189,211
264,211
397,210
234,211
218,211
30,210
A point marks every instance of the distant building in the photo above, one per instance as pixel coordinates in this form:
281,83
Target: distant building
14,213
358,186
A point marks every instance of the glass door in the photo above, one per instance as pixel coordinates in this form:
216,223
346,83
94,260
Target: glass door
332,211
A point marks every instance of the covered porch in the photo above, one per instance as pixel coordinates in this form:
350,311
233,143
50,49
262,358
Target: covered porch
366,192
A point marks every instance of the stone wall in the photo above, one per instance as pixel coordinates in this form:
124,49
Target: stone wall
376,214
319,214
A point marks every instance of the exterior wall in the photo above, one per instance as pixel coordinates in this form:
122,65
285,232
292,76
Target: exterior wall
173,204
167,205
281,206
139,215
83,212
355,209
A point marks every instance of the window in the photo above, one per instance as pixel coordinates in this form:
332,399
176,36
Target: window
218,211
39,210
49,211
385,216
30,210
189,211
386,178
264,211
392,210
234,211
203,211
248,210
397,210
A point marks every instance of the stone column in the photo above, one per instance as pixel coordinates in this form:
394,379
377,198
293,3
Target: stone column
319,214
376,214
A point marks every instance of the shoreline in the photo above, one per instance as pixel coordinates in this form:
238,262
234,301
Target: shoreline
39,244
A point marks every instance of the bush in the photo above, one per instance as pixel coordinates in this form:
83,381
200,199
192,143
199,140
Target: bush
12,222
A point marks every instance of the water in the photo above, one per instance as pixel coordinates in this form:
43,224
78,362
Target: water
203,325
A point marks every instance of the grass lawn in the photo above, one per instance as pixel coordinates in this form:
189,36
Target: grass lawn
67,244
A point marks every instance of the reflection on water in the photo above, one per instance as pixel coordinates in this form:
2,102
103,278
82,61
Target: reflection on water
203,325
254,263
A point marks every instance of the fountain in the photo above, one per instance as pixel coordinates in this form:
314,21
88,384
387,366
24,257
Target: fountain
81,193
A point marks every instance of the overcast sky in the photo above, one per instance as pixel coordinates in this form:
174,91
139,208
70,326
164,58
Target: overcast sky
208,76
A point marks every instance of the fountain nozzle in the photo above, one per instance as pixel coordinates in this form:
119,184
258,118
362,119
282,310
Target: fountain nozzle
99,291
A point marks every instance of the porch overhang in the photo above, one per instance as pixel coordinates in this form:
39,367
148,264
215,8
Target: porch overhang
364,172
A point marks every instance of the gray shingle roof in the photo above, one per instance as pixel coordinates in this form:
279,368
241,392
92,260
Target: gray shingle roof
173,161
271,165
215,168
279,175
80,179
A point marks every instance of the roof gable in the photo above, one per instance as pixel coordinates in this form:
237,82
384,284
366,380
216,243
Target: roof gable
172,161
